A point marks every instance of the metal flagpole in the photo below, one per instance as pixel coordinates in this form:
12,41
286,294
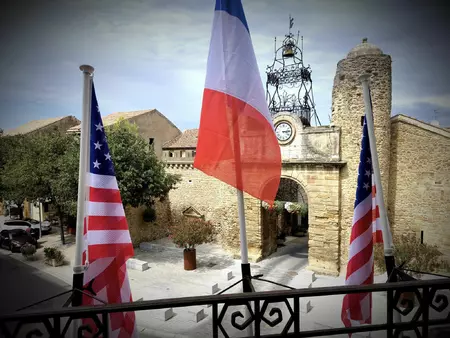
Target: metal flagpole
78,267
386,231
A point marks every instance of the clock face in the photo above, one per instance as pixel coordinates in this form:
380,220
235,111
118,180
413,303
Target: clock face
283,131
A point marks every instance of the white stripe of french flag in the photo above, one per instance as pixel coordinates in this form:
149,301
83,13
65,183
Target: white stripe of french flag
235,123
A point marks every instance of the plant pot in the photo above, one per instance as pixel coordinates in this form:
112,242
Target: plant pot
54,262
71,231
190,259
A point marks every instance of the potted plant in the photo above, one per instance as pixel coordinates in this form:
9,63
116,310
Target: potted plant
187,233
28,250
53,257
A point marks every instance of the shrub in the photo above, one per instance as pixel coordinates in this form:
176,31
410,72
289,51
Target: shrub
187,232
149,214
415,255
28,250
53,253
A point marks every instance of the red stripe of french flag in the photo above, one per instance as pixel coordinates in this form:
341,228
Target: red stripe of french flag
236,141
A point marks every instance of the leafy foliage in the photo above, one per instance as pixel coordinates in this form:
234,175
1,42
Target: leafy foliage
140,175
12,149
149,214
53,253
28,250
45,166
417,256
187,232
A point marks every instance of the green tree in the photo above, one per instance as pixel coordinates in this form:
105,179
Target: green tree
141,176
12,150
45,166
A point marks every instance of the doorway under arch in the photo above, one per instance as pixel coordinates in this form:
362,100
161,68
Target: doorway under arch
293,224
279,225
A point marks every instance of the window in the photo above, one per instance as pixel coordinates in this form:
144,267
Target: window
151,142
170,154
193,153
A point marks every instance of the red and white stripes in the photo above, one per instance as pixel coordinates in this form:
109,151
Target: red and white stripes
107,247
366,231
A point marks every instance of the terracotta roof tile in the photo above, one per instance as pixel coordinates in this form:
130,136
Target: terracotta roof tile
32,126
114,117
188,139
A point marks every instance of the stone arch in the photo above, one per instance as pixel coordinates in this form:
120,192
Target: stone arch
274,227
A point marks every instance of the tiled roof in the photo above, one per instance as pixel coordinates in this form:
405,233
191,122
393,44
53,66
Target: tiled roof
114,117
33,126
188,139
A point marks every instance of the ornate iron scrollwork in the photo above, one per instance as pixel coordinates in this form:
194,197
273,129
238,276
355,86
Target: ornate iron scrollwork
288,76
279,315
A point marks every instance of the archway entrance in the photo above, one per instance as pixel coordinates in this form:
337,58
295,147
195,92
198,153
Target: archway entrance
287,220
292,223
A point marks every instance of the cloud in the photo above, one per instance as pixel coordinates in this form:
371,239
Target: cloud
441,101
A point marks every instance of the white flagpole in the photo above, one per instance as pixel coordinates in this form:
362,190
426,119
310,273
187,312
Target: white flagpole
387,236
78,267
386,231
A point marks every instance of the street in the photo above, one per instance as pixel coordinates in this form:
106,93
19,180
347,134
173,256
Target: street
22,285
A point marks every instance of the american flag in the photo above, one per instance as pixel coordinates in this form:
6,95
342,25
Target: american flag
357,308
106,236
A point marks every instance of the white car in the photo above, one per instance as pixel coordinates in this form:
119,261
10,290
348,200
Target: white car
46,226
31,228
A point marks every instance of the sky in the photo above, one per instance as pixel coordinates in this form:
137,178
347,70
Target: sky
152,53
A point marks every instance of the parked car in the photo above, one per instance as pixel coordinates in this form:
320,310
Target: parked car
46,226
14,239
32,229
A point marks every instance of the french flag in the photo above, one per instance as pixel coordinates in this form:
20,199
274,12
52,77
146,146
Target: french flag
236,140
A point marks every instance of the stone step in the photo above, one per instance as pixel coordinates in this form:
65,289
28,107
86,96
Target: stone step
197,312
136,264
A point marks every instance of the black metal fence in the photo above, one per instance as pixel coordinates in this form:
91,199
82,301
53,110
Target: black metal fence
430,309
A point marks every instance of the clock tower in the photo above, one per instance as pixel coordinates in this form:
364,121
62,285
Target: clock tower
289,90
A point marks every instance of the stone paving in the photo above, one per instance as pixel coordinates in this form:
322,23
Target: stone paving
166,278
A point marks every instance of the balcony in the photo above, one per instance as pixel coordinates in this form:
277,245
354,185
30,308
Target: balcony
233,314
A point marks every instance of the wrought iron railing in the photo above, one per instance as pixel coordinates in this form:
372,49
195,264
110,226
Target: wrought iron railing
431,296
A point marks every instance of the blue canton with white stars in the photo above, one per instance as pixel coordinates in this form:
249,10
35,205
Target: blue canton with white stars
364,188
100,157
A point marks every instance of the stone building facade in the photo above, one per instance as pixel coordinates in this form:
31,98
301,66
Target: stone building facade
347,110
153,126
414,162
419,181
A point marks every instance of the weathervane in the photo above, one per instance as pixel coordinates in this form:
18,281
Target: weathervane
287,77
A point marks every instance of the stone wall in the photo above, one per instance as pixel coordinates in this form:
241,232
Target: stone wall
141,231
218,203
419,187
347,109
310,143
156,126
321,184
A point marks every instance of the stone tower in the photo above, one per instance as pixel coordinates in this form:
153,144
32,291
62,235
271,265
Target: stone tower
347,110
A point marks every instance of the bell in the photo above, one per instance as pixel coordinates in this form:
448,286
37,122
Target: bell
288,52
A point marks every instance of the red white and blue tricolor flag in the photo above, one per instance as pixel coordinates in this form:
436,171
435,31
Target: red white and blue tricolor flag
236,140
106,236
357,308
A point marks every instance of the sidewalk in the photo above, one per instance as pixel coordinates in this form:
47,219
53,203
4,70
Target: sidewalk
166,278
